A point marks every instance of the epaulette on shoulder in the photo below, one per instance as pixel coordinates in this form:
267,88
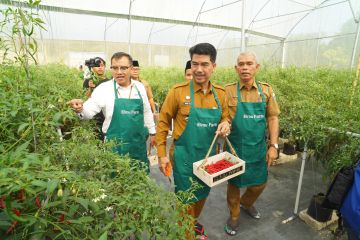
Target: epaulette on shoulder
219,87
183,84
264,83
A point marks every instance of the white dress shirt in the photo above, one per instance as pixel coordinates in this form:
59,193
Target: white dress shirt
103,97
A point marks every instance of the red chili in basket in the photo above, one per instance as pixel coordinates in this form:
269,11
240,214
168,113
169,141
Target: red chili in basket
218,166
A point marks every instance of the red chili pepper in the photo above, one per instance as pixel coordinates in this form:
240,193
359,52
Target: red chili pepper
2,202
12,227
62,217
37,201
21,195
16,211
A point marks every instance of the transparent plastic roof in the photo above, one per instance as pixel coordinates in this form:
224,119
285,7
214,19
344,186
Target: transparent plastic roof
271,23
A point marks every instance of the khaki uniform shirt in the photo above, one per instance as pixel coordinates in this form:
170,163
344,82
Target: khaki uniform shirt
177,106
252,95
147,88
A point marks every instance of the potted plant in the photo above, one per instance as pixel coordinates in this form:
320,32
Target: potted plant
316,211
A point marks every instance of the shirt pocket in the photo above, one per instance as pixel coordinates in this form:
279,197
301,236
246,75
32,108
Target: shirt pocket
185,110
232,102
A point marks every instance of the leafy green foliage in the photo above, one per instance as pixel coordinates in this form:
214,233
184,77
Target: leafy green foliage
104,194
18,39
44,96
76,188
316,109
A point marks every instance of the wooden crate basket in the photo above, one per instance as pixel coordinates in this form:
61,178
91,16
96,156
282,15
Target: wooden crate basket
216,178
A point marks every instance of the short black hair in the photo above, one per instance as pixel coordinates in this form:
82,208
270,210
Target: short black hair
136,63
204,49
119,55
102,60
188,65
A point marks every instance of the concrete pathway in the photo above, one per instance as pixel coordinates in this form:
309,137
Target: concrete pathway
275,204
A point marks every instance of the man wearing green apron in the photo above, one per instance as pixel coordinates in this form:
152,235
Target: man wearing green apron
199,110
128,116
253,108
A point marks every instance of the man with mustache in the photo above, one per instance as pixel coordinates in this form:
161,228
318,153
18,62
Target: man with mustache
126,108
253,108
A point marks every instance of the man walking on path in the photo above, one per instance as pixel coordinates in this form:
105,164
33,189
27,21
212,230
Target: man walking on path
253,108
199,110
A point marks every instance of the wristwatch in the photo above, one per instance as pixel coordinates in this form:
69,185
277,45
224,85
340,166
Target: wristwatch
275,145
152,134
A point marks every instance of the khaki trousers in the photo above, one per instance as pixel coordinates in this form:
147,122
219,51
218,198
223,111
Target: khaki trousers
247,199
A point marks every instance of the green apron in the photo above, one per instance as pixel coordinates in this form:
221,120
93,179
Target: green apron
127,127
193,145
248,138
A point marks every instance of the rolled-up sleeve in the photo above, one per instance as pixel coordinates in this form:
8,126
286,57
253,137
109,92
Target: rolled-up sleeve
272,106
93,105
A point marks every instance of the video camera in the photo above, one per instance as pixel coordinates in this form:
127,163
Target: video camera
93,62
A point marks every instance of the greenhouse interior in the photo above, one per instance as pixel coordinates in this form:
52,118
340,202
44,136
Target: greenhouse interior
269,148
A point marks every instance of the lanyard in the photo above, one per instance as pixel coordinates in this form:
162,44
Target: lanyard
129,93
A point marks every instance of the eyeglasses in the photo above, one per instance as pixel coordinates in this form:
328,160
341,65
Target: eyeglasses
122,68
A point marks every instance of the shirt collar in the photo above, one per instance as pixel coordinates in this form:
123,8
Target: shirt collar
120,87
197,87
242,85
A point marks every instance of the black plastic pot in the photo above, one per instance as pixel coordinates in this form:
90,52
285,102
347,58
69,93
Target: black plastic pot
316,211
289,149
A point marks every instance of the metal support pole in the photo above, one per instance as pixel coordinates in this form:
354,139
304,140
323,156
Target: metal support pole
129,40
296,208
283,53
243,27
318,46
355,43
149,46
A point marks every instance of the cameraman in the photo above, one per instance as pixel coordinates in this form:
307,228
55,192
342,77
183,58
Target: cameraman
97,74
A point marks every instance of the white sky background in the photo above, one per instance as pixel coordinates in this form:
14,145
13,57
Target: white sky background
322,22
